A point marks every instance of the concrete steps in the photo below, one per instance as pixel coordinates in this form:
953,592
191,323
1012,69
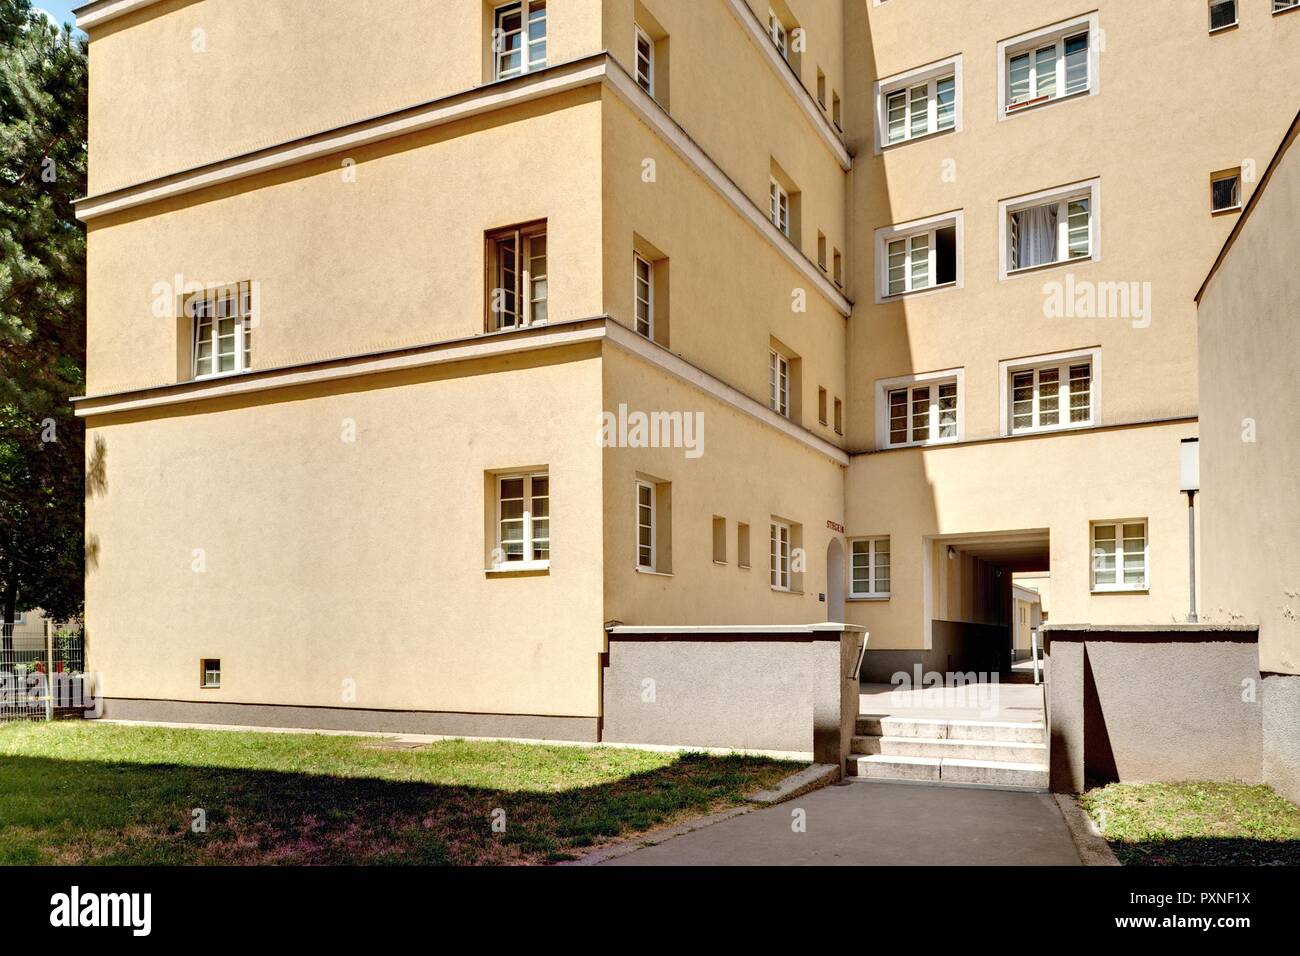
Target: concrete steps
997,754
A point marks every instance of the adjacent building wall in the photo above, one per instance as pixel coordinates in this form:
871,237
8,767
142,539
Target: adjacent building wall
1250,449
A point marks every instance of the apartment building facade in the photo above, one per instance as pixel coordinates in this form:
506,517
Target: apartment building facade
427,339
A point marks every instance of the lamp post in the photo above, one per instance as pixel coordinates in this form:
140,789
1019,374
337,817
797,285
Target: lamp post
1189,480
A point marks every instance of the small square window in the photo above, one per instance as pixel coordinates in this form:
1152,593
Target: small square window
1223,14
1225,191
210,673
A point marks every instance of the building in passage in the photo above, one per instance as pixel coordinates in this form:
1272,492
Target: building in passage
427,339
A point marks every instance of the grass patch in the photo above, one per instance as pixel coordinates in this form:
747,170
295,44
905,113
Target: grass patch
1214,824
84,793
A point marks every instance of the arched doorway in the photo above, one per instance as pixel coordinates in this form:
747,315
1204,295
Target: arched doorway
835,581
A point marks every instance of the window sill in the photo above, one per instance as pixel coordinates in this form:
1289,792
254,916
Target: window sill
654,574
887,147
1227,210
1225,28
519,568
867,597
211,375
921,444
1045,266
1051,429
721,564
894,296
786,591
1144,589
1034,105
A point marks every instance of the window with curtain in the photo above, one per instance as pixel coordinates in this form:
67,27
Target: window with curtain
1055,231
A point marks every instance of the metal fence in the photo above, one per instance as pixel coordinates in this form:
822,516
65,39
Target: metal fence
42,672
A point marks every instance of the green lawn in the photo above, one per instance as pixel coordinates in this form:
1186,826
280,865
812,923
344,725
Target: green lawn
75,792
1196,823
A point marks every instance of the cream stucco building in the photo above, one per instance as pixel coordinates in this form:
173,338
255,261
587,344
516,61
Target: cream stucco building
428,338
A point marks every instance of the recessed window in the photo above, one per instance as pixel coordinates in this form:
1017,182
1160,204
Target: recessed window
779,555
519,39
210,673
223,330
779,206
835,111
1051,227
837,268
645,526
821,89
1119,556
1049,65
920,255
821,251
1051,392
523,521
1225,191
719,540
919,102
517,267
1223,14
821,405
643,283
780,36
778,366
839,417
869,569
645,61
742,544
921,409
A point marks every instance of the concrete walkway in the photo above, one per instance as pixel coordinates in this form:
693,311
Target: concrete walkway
879,824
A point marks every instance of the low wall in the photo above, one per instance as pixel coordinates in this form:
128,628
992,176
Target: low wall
792,689
955,647
1153,703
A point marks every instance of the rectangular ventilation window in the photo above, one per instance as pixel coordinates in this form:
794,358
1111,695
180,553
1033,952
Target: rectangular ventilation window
210,671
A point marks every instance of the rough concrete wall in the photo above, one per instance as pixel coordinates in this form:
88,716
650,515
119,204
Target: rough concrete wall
1281,700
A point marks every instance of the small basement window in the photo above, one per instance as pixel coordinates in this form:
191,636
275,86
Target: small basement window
210,673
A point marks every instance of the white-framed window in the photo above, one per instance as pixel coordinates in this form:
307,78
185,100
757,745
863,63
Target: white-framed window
779,555
923,409
1048,65
517,268
779,207
210,673
1280,6
778,368
1051,392
645,526
919,102
645,61
1119,555
1225,191
1053,226
223,330
1223,14
643,275
780,39
523,521
519,38
869,567
919,255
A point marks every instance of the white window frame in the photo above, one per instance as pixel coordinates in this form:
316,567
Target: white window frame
526,9
207,301
1282,6
871,594
778,382
1120,554
1209,13
644,78
652,565
778,560
208,683
907,231
1037,39
929,76
779,35
931,380
1062,196
529,562
778,209
1060,360
638,261
1221,177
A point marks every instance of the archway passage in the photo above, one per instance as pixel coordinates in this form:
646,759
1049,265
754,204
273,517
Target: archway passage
835,581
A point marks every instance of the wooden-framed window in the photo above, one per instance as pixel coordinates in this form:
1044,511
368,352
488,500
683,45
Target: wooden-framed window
1119,555
645,525
869,567
1052,392
643,282
519,38
778,366
645,61
779,207
223,330
517,269
779,555
523,520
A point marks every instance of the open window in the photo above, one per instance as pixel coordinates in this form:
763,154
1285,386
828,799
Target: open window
221,320
653,525
919,255
650,54
516,272
518,38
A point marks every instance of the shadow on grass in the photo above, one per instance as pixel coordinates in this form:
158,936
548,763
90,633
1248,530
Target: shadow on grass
1209,851
78,812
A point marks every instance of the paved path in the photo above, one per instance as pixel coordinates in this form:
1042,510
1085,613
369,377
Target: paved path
880,824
